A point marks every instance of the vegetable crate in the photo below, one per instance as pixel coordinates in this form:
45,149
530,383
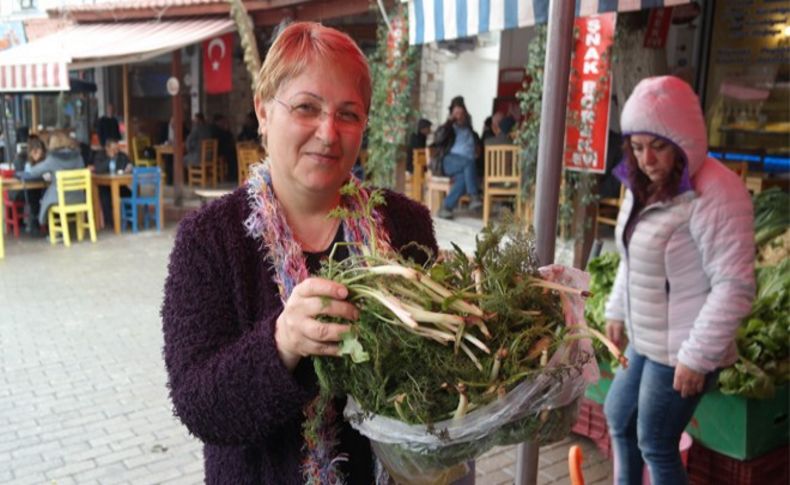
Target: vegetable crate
591,423
707,467
741,428
597,392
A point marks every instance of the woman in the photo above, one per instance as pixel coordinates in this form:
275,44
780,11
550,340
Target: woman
63,154
686,277
458,147
241,311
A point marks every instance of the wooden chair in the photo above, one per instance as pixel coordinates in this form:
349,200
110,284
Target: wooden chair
78,207
2,214
740,168
437,187
608,208
415,182
502,177
247,154
146,185
206,170
140,143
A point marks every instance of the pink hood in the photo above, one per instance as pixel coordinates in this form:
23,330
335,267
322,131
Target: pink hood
666,106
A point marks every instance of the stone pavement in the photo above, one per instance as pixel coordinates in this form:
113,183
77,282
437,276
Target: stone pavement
82,382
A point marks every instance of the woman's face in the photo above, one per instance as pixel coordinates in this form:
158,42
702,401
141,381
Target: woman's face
36,154
654,156
313,128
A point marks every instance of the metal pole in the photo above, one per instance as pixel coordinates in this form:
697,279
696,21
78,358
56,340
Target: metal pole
178,141
559,42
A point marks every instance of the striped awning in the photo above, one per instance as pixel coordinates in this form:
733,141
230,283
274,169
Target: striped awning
434,20
43,65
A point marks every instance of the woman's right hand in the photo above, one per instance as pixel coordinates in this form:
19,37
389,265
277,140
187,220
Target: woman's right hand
298,333
615,331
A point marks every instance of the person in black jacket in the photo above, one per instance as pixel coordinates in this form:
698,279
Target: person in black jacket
458,146
417,140
112,152
107,127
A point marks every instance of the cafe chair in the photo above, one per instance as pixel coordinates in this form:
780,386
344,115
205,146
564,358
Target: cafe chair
146,184
139,144
12,214
205,171
608,208
2,215
501,178
415,182
247,154
74,204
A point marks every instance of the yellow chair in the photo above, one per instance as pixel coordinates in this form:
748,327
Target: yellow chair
2,213
247,154
73,182
206,170
741,169
416,181
140,143
608,208
502,177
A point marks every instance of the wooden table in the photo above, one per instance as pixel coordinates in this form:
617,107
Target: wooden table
114,182
16,184
162,150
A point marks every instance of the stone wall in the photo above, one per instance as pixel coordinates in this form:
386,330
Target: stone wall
431,82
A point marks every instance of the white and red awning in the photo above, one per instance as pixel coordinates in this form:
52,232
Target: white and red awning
43,65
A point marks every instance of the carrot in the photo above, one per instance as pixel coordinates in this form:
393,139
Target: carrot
575,459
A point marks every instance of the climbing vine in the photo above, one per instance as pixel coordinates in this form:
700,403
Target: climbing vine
392,69
580,186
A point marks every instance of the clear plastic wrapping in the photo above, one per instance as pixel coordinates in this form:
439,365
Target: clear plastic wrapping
541,408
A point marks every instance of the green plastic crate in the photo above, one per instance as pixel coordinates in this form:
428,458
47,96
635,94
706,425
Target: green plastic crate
741,428
597,392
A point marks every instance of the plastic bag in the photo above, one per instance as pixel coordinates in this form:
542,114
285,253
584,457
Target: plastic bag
542,408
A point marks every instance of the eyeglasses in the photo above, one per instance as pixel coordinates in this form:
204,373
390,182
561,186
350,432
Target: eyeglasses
311,113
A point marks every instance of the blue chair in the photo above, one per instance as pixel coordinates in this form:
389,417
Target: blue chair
146,184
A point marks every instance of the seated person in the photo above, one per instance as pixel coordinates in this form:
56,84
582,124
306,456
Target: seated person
226,146
200,131
63,154
24,162
112,156
459,147
417,140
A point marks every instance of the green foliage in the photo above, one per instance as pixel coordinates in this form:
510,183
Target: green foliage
530,98
771,216
764,358
603,270
390,111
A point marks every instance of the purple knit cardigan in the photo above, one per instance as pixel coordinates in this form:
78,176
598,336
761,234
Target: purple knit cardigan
227,382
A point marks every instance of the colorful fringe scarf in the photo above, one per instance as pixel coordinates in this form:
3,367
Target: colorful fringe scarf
267,223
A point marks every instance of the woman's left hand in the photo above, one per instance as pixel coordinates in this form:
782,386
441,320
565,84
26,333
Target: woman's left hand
688,382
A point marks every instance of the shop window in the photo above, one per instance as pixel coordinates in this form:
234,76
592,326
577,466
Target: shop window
27,4
748,91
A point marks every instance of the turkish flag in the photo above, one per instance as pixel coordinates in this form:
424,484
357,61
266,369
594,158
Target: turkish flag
218,64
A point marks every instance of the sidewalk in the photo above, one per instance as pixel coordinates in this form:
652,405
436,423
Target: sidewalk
83,398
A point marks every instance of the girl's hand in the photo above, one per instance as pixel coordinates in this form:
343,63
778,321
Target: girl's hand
615,331
298,333
688,382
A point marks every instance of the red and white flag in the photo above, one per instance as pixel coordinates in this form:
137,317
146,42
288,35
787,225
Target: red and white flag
218,64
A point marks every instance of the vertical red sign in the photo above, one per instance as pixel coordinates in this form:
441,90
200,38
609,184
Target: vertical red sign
218,64
586,131
658,27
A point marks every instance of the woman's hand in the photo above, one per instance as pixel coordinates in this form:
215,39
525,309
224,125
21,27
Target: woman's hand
298,333
615,331
688,382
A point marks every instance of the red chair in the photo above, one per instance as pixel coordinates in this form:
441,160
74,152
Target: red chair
13,209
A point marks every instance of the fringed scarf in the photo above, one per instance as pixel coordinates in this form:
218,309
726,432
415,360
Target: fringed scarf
268,224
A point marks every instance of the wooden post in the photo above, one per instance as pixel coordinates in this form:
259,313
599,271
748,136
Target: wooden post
178,138
34,114
126,118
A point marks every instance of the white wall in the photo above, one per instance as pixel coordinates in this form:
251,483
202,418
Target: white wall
473,75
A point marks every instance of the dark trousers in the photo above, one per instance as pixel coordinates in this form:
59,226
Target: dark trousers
105,197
